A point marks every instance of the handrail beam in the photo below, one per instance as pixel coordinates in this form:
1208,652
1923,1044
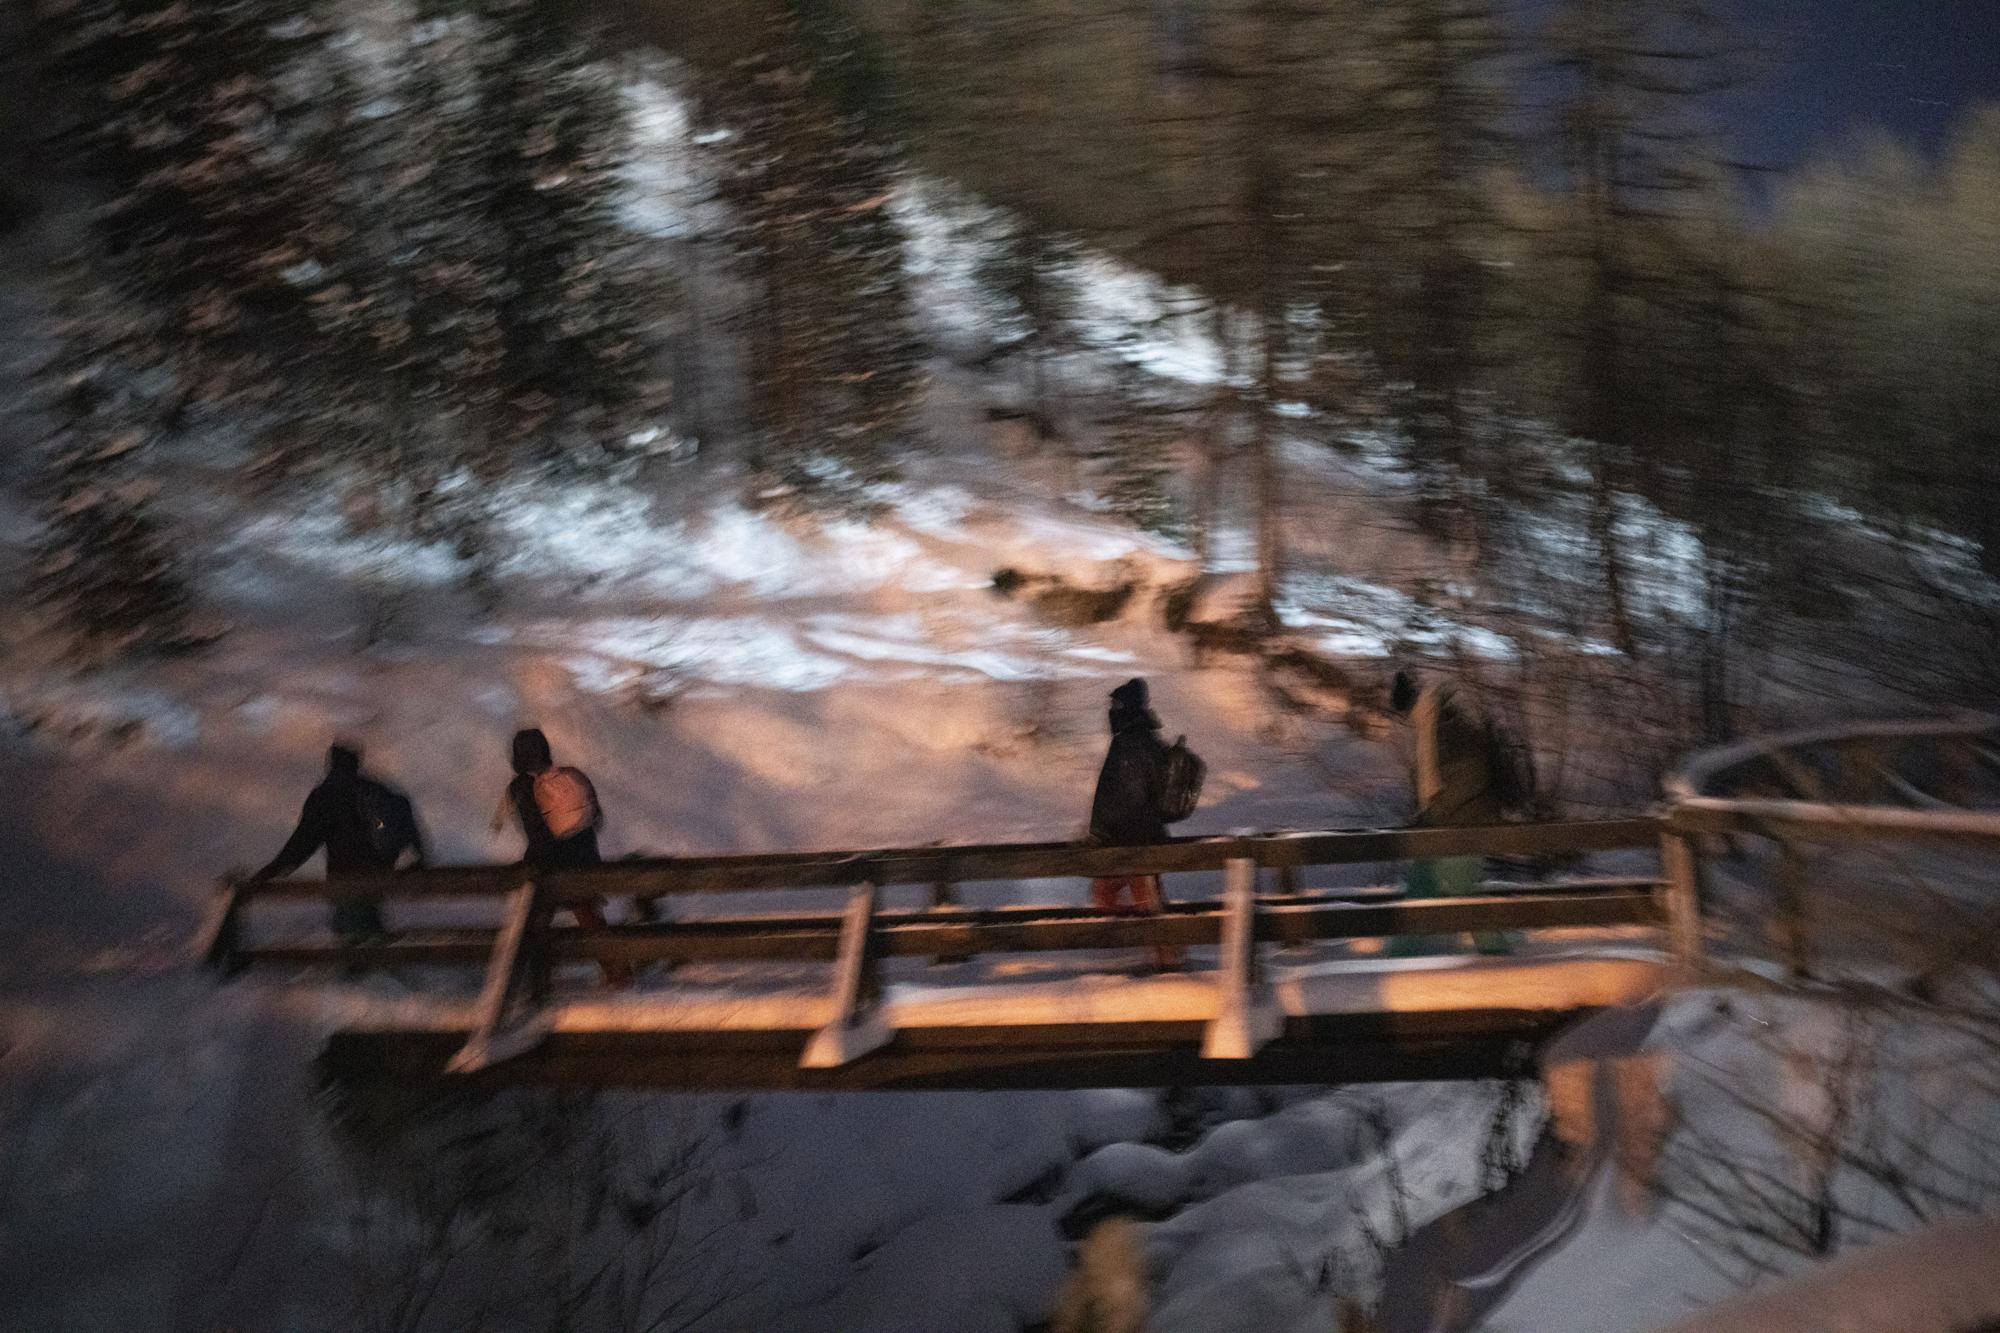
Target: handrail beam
1276,920
983,863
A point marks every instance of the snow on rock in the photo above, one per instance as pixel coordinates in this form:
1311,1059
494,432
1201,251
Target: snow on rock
1223,598
1153,325
1286,1252
1306,1138
1374,621
664,183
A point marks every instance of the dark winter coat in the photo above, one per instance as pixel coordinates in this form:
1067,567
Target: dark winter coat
1126,810
545,850
333,818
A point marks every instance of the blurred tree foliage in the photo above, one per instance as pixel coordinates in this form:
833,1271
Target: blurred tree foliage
1507,245
398,249
833,365
1518,241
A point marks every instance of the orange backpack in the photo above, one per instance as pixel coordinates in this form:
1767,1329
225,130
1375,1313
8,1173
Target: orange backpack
565,800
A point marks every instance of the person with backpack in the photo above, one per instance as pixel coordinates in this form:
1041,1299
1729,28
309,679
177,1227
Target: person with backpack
366,828
1144,785
1467,773
556,808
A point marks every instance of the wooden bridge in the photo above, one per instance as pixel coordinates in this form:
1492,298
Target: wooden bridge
931,993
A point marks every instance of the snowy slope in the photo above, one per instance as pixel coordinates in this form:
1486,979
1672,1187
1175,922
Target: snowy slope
827,688
1773,1111
733,682
1940,1280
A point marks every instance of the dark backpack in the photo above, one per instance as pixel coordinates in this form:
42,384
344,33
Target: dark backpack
1181,791
387,820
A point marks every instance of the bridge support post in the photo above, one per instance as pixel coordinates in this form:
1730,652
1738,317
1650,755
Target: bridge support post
1296,938
1246,1016
490,1042
1682,889
857,1026
945,895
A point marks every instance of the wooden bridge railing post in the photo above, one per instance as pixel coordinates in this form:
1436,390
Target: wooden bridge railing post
857,1025
1299,941
487,1045
1681,872
943,895
1245,1017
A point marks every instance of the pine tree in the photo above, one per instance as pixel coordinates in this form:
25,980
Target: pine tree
1630,77
579,366
200,263
214,225
1426,227
405,389
1029,273
493,317
1136,459
833,363
103,564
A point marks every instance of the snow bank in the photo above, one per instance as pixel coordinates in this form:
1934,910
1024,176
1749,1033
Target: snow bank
1288,1252
1940,1280
1122,311
1374,621
1778,1106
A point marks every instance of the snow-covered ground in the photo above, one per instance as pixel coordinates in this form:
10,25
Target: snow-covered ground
732,683
1943,1277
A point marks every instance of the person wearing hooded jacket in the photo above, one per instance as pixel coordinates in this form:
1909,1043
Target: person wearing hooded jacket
336,817
1128,807
1459,782
531,757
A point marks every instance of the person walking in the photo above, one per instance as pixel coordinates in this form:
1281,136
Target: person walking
557,811
1128,808
365,826
1463,778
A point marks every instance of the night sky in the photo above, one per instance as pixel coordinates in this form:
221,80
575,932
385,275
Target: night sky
1837,66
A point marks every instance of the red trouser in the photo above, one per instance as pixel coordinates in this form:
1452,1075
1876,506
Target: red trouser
1144,891
589,913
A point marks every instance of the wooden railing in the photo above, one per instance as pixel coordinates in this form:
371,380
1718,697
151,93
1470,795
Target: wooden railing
521,950
1849,784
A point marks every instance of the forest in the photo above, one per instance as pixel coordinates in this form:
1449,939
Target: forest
384,249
